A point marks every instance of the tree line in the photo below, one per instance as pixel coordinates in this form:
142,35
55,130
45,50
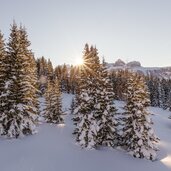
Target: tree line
68,76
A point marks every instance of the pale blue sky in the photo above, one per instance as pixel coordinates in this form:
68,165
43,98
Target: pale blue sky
127,29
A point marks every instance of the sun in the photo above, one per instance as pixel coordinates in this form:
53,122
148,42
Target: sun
79,61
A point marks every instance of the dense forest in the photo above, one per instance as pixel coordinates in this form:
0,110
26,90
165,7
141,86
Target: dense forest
68,76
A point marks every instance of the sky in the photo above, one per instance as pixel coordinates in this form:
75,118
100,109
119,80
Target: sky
137,30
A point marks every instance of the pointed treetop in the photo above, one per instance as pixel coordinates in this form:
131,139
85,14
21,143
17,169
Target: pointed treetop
1,37
86,48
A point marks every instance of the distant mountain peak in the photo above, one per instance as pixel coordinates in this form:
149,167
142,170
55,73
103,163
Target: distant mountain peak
119,62
135,66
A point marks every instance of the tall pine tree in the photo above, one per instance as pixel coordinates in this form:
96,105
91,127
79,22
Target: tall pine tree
94,110
2,66
105,111
31,76
53,111
3,99
18,115
138,138
84,119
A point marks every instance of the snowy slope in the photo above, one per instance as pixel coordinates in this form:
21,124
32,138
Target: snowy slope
53,148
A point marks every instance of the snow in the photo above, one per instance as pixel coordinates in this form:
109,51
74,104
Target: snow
161,72
53,148
66,101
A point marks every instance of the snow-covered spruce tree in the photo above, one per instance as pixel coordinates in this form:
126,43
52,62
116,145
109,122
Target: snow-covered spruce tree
160,94
86,126
81,86
53,111
50,68
93,114
2,66
166,96
17,115
2,78
72,106
138,135
105,111
31,77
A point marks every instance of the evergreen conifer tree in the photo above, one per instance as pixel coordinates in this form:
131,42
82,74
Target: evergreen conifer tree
53,111
31,76
18,115
94,110
50,69
2,66
72,106
3,100
138,137
105,111
86,126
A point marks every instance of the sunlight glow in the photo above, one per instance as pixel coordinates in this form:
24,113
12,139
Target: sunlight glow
167,161
79,61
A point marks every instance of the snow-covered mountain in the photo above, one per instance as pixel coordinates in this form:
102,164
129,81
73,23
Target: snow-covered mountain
162,72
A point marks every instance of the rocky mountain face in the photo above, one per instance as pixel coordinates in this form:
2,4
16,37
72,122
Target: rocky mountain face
161,72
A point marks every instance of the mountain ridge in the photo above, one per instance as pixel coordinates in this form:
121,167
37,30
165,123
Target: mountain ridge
135,66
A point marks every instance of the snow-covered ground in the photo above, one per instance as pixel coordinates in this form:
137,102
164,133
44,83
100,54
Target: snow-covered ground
53,149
